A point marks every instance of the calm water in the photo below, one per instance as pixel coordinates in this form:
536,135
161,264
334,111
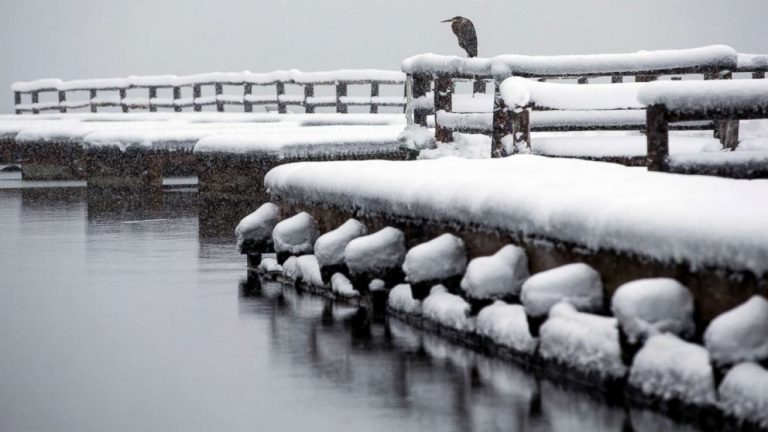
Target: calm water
129,316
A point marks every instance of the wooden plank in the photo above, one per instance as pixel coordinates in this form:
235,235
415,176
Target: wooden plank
309,91
443,102
219,90
374,93
152,95
62,101
196,93
657,134
247,91
341,91
176,98
280,90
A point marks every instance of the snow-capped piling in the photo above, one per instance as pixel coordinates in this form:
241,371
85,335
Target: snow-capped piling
448,310
649,306
376,256
441,260
739,335
743,394
506,325
270,266
295,236
499,276
582,342
577,284
670,369
401,300
254,232
342,287
329,247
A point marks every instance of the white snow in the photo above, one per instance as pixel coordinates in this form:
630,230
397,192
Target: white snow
752,61
296,235
474,121
439,258
258,225
521,92
672,369
696,96
342,287
577,284
739,334
744,393
506,324
447,309
416,137
649,306
582,341
377,285
382,250
594,145
496,276
309,271
467,146
270,265
329,247
291,270
592,204
401,300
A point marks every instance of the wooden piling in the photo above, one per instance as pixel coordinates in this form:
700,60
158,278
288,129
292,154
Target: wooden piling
35,101
247,91
309,91
92,94
196,94
657,132
419,90
280,91
374,93
17,101
176,99
123,103
219,90
443,102
502,125
152,97
62,101
341,91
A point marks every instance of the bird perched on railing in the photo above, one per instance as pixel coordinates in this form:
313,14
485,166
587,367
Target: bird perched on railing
465,32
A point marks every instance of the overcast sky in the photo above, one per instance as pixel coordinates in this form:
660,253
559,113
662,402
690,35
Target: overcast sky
97,38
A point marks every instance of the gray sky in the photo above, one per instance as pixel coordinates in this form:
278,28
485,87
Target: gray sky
97,38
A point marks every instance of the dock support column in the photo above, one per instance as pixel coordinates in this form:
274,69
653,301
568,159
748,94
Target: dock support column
420,88
443,102
657,126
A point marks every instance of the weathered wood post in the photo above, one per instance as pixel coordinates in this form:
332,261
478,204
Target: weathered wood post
443,102
341,91
419,91
17,101
657,135
646,78
35,101
502,125
478,86
219,90
196,94
176,98
374,93
123,104
309,92
152,97
247,91
758,75
729,133
62,101
92,95
280,90
617,79
583,80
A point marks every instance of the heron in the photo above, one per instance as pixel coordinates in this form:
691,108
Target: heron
465,32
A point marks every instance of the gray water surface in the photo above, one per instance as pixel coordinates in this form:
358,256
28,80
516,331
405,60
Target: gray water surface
119,315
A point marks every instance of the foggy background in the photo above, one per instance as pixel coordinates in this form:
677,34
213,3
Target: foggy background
71,39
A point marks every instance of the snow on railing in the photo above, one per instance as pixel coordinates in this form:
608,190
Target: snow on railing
279,79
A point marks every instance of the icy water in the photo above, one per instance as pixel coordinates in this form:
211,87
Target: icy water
133,316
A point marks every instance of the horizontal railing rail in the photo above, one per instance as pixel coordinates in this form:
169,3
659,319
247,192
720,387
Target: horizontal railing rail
341,79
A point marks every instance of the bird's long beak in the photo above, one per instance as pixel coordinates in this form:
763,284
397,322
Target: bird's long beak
448,20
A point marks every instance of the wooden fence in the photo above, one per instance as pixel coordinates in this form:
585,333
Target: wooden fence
70,92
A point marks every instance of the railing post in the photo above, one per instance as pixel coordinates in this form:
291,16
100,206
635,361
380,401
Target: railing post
583,80
92,94
176,98
617,79
646,78
419,90
724,129
123,104
758,75
35,101
657,133
478,86
196,94
62,101
443,102
247,91
152,95
219,90
309,91
341,91
280,90
502,125
17,101
374,93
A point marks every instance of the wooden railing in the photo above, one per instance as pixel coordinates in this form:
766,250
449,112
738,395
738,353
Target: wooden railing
119,87
438,75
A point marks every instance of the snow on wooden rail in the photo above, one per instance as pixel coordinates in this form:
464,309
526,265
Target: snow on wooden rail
279,79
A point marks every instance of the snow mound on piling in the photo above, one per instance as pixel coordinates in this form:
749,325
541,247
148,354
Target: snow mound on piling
270,265
740,334
506,324
295,235
380,251
670,368
447,309
496,276
582,341
329,247
401,300
257,226
743,393
291,270
577,284
342,287
439,258
309,271
649,306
